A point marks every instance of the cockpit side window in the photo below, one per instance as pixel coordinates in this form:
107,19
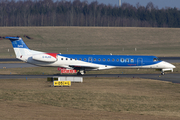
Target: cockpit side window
156,59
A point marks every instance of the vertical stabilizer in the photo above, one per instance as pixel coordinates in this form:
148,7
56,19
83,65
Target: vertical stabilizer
20,48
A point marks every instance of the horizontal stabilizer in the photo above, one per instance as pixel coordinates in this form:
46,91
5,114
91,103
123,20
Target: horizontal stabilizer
13,38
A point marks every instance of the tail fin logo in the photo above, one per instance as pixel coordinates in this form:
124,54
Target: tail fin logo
20,46
17,42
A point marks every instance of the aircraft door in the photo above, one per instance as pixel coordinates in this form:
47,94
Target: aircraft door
90,59
139,62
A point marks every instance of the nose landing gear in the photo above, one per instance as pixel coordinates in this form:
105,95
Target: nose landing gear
162,73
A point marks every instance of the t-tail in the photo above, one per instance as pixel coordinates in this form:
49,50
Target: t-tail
20,48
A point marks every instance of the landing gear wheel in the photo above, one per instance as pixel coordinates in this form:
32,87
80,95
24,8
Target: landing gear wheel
162,73
79,74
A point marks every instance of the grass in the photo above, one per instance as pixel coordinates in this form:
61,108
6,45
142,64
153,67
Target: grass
96,40
115,95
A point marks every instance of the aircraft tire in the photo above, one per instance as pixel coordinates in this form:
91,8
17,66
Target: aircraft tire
162,73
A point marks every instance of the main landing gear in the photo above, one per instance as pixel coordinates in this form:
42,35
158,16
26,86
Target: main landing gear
81,72
162,73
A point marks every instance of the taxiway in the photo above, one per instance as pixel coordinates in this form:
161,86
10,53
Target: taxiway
174,78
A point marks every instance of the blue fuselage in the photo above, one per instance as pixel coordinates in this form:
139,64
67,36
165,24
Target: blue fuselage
115,60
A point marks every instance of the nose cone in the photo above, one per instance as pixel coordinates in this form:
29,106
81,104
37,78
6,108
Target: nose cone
167,65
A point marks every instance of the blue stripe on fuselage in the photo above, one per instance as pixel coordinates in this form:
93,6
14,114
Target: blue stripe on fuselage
115,60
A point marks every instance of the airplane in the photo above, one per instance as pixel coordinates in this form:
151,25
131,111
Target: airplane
83,63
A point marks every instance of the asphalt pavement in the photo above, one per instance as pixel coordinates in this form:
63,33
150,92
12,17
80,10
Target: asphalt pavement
174,78
15,65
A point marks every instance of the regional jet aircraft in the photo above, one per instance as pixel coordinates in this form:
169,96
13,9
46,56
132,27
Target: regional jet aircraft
83,63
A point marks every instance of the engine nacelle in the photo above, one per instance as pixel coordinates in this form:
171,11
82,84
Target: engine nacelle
165,70
46,57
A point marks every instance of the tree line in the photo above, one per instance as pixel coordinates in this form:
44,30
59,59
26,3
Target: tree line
77,13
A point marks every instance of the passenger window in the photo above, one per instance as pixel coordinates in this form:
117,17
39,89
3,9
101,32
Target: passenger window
99,59
104,59
80,59
127,60
61,58
75,58
94,59
113,60
108,59
132,60
71,58
122,60
66,58
84,59
117,60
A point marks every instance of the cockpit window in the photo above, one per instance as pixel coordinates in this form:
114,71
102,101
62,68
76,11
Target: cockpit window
156,59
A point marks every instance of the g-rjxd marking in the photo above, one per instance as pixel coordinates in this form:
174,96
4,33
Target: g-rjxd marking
46,56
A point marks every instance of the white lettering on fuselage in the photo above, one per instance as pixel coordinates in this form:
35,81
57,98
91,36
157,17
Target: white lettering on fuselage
20,46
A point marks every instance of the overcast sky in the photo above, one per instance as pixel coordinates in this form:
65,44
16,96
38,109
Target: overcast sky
159,3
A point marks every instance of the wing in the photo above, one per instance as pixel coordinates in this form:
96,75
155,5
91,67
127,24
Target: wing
83,67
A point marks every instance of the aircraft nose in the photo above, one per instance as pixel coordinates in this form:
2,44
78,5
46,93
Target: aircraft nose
168,65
